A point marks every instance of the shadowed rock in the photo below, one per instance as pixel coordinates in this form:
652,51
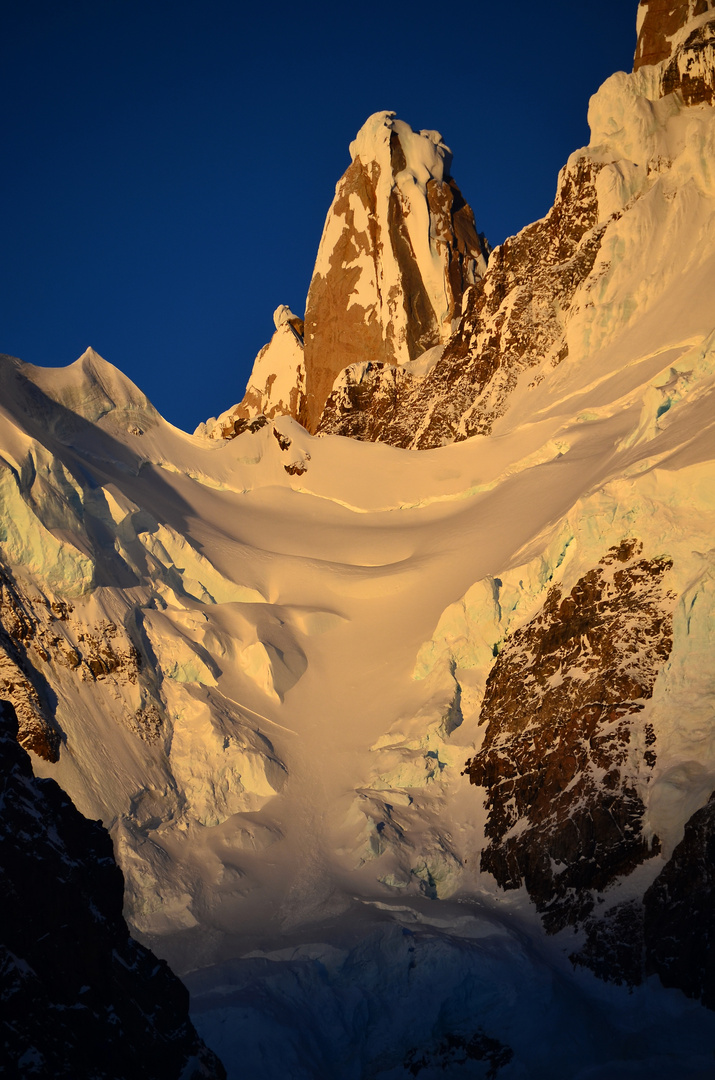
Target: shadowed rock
80,997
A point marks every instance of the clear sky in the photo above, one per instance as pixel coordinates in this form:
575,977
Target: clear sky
167,164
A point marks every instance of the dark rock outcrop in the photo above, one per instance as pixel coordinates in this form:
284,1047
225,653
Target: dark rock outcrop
456,1050
565,747
671,932
80,998
679,913
20,682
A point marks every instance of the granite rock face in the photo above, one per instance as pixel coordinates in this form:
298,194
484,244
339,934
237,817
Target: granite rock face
19,681
566,750
691,69
399,250
681,32
659,22
40,636
80,997
512,320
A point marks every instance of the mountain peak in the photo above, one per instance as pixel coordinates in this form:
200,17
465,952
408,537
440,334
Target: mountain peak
283,315
91,387
398,251
396,148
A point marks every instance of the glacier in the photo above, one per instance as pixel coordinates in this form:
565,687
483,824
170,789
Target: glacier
267,659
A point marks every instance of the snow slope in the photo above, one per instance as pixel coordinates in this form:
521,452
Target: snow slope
281,758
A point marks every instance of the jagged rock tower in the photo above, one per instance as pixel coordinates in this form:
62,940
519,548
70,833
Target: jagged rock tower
399,250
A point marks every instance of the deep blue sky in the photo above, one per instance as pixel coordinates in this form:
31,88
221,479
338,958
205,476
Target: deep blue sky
167,164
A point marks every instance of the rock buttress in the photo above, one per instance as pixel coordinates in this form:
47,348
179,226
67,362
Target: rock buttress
671,931
566,748
658,24
80,997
